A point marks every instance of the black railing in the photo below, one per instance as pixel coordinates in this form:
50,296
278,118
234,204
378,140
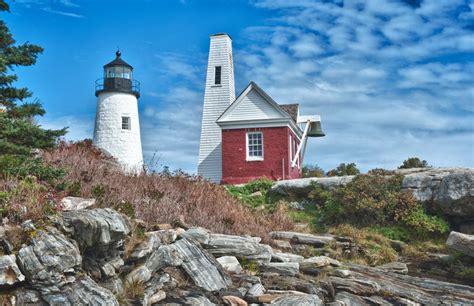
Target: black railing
117,84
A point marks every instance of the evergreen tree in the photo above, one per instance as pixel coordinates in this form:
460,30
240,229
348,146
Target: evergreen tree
414,162
19,133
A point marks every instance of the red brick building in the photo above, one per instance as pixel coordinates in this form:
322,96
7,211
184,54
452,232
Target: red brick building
259,138
251,136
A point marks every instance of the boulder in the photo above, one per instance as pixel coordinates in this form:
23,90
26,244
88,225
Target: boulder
201,267
83,291
368,281
301,187
463,243
153,240
238,246
96,227
281,244
298,300
233,301
27,297
230,264
286,257
450,189
198,234
395,267
76,203
301,238
281,268
49,261
10,274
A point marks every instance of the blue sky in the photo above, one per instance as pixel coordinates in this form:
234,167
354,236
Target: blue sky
390,78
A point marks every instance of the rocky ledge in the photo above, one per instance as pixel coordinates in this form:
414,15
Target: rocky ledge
100,257
450,190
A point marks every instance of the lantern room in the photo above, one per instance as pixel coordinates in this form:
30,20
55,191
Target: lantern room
118,77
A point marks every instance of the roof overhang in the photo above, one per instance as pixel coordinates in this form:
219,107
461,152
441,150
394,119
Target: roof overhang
262,123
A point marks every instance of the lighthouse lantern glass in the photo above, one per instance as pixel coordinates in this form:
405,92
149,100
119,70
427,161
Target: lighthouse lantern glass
118,72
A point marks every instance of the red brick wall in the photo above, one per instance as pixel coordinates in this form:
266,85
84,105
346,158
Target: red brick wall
236,169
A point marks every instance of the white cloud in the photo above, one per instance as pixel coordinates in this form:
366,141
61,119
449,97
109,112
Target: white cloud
384,75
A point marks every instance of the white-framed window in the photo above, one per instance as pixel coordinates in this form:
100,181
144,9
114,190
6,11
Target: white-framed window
126,123
254,146
217,75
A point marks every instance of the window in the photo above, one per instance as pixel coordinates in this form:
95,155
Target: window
126,123
255,146
217,75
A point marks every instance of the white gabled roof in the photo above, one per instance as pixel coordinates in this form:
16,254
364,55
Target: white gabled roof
255,108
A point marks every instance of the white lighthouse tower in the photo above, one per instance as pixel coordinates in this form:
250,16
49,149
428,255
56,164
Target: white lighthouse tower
219,94
117,129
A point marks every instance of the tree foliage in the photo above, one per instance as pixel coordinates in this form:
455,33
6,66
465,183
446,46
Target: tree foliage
19,132
344,169
312,171
414,162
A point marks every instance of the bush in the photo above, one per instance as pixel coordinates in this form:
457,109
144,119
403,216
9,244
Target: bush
18,166
344,169
312,171
254,193
377,200
414,162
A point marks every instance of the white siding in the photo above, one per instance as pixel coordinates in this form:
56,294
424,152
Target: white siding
216,100
123,145
253,107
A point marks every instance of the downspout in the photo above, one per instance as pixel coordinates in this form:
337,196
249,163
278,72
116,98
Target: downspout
283,167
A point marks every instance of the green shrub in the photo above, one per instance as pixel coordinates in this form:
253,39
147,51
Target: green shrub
312,171
20,167
414,162
376,200
344,169
254,193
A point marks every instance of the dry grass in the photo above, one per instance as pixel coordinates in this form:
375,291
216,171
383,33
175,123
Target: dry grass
161,199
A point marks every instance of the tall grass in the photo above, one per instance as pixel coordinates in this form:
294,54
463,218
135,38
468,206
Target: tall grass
159,198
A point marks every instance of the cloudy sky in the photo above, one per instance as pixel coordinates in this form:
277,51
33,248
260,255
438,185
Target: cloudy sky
391,78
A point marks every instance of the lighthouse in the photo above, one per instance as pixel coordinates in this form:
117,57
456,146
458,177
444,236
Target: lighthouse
117,127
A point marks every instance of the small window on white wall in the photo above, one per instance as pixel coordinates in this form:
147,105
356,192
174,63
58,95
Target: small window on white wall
254,146
126,124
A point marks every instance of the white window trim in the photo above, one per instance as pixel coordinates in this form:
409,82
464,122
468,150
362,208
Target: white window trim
129,123
253,158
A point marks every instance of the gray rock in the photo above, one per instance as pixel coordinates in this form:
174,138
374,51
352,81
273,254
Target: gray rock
318,262
396,267
450,189
97,226
76,203
301,187
461,242
281,268
296,205
256,290
230,264
144,248
301,238
297,300
367,281
282,244
346,298
198,234
240,247
47,259
201,267
156,297
165,256
140,274
10,274
286,257
27,297
83,291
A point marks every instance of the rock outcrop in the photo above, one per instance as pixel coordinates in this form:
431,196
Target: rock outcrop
450,190
461,242
94,258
